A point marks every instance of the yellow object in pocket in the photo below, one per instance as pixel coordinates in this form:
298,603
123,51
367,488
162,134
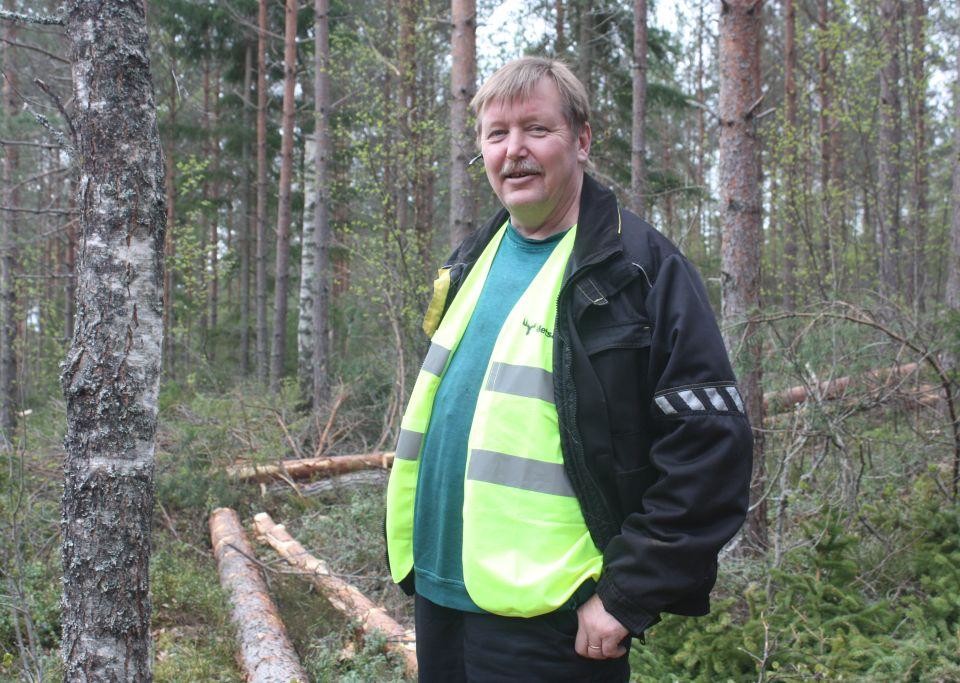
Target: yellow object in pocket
441,287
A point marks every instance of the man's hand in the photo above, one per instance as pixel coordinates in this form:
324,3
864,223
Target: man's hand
599,634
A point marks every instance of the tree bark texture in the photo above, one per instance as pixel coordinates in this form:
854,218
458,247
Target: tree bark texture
265,650
343,596
111,373
170,246
953,267
463,86
308,272
8,232
790,189
638,147
245,223
740,206
261,255
916,279
309,467
278,349
888,151
321,215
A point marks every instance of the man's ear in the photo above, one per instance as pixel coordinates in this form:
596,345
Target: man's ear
583,143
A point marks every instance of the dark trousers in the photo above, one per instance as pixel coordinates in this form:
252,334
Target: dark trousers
465,647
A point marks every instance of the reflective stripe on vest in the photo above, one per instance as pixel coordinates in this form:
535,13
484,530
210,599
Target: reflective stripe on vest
526,547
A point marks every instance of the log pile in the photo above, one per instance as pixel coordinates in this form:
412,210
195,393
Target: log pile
343,596
266,654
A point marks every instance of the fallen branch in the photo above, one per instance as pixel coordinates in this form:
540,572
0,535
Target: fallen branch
781,401
307,467
265,651
343,596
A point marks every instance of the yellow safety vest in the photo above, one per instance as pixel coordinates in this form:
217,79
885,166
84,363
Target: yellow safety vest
526,547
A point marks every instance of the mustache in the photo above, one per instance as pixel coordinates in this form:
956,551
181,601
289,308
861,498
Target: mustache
520,166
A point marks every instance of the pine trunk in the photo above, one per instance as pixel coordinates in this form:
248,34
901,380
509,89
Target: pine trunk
261,258
918,219
742,235
638,171
888,152
8,256
790,189
463,86
278,350
245,218
321,216
112,371
953,265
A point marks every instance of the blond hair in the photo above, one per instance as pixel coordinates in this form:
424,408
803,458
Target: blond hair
517,79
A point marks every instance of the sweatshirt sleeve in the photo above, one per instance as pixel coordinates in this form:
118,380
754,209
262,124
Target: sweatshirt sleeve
701,449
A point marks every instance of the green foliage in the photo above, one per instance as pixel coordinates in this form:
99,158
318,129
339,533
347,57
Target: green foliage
837,609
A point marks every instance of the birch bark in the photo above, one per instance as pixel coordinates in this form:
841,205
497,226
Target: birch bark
111,373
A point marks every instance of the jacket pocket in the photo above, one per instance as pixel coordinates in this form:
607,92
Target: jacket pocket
634,474
630,334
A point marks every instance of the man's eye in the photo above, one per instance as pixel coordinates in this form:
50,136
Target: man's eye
495,134
538,129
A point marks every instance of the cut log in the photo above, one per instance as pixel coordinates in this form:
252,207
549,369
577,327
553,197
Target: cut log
308,467
265,651
343,596
874,380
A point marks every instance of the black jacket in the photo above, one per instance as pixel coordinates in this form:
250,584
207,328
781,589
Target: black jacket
655,441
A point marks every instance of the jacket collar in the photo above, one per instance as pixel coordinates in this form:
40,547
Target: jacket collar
598,229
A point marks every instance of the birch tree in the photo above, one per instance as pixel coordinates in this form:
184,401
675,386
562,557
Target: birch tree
111,373
740,207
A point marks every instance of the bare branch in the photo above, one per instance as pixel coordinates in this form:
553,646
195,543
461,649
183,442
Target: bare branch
57,101
27,46
37,19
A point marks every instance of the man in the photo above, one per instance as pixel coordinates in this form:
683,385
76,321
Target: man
575,452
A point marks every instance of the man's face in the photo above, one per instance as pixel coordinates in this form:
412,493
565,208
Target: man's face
533,159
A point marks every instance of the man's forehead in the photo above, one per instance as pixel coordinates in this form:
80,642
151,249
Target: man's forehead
521,98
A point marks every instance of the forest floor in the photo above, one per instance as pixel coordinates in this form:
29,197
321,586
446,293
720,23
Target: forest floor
868,596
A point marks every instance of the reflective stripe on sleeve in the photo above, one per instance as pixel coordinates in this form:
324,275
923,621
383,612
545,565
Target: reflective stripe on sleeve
735,395
436,359
518,473
691,400
408,445
665,405
521,380
716,400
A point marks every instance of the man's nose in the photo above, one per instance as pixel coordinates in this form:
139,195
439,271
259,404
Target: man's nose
516,144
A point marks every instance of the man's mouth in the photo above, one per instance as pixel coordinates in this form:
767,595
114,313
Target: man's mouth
520,171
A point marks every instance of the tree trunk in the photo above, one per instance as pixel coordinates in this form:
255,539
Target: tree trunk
261,285
638,150
559,41
463,86
321,216
585,46
213,284
888,151
245,218
824,128
790,189
953,264
308,270
266,654
278,350
169,248
740,203
112,371
918,218
344,597
309,467
8,257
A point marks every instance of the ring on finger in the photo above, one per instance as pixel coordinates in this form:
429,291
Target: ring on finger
594,647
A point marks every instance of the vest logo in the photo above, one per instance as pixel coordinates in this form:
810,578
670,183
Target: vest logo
534,327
